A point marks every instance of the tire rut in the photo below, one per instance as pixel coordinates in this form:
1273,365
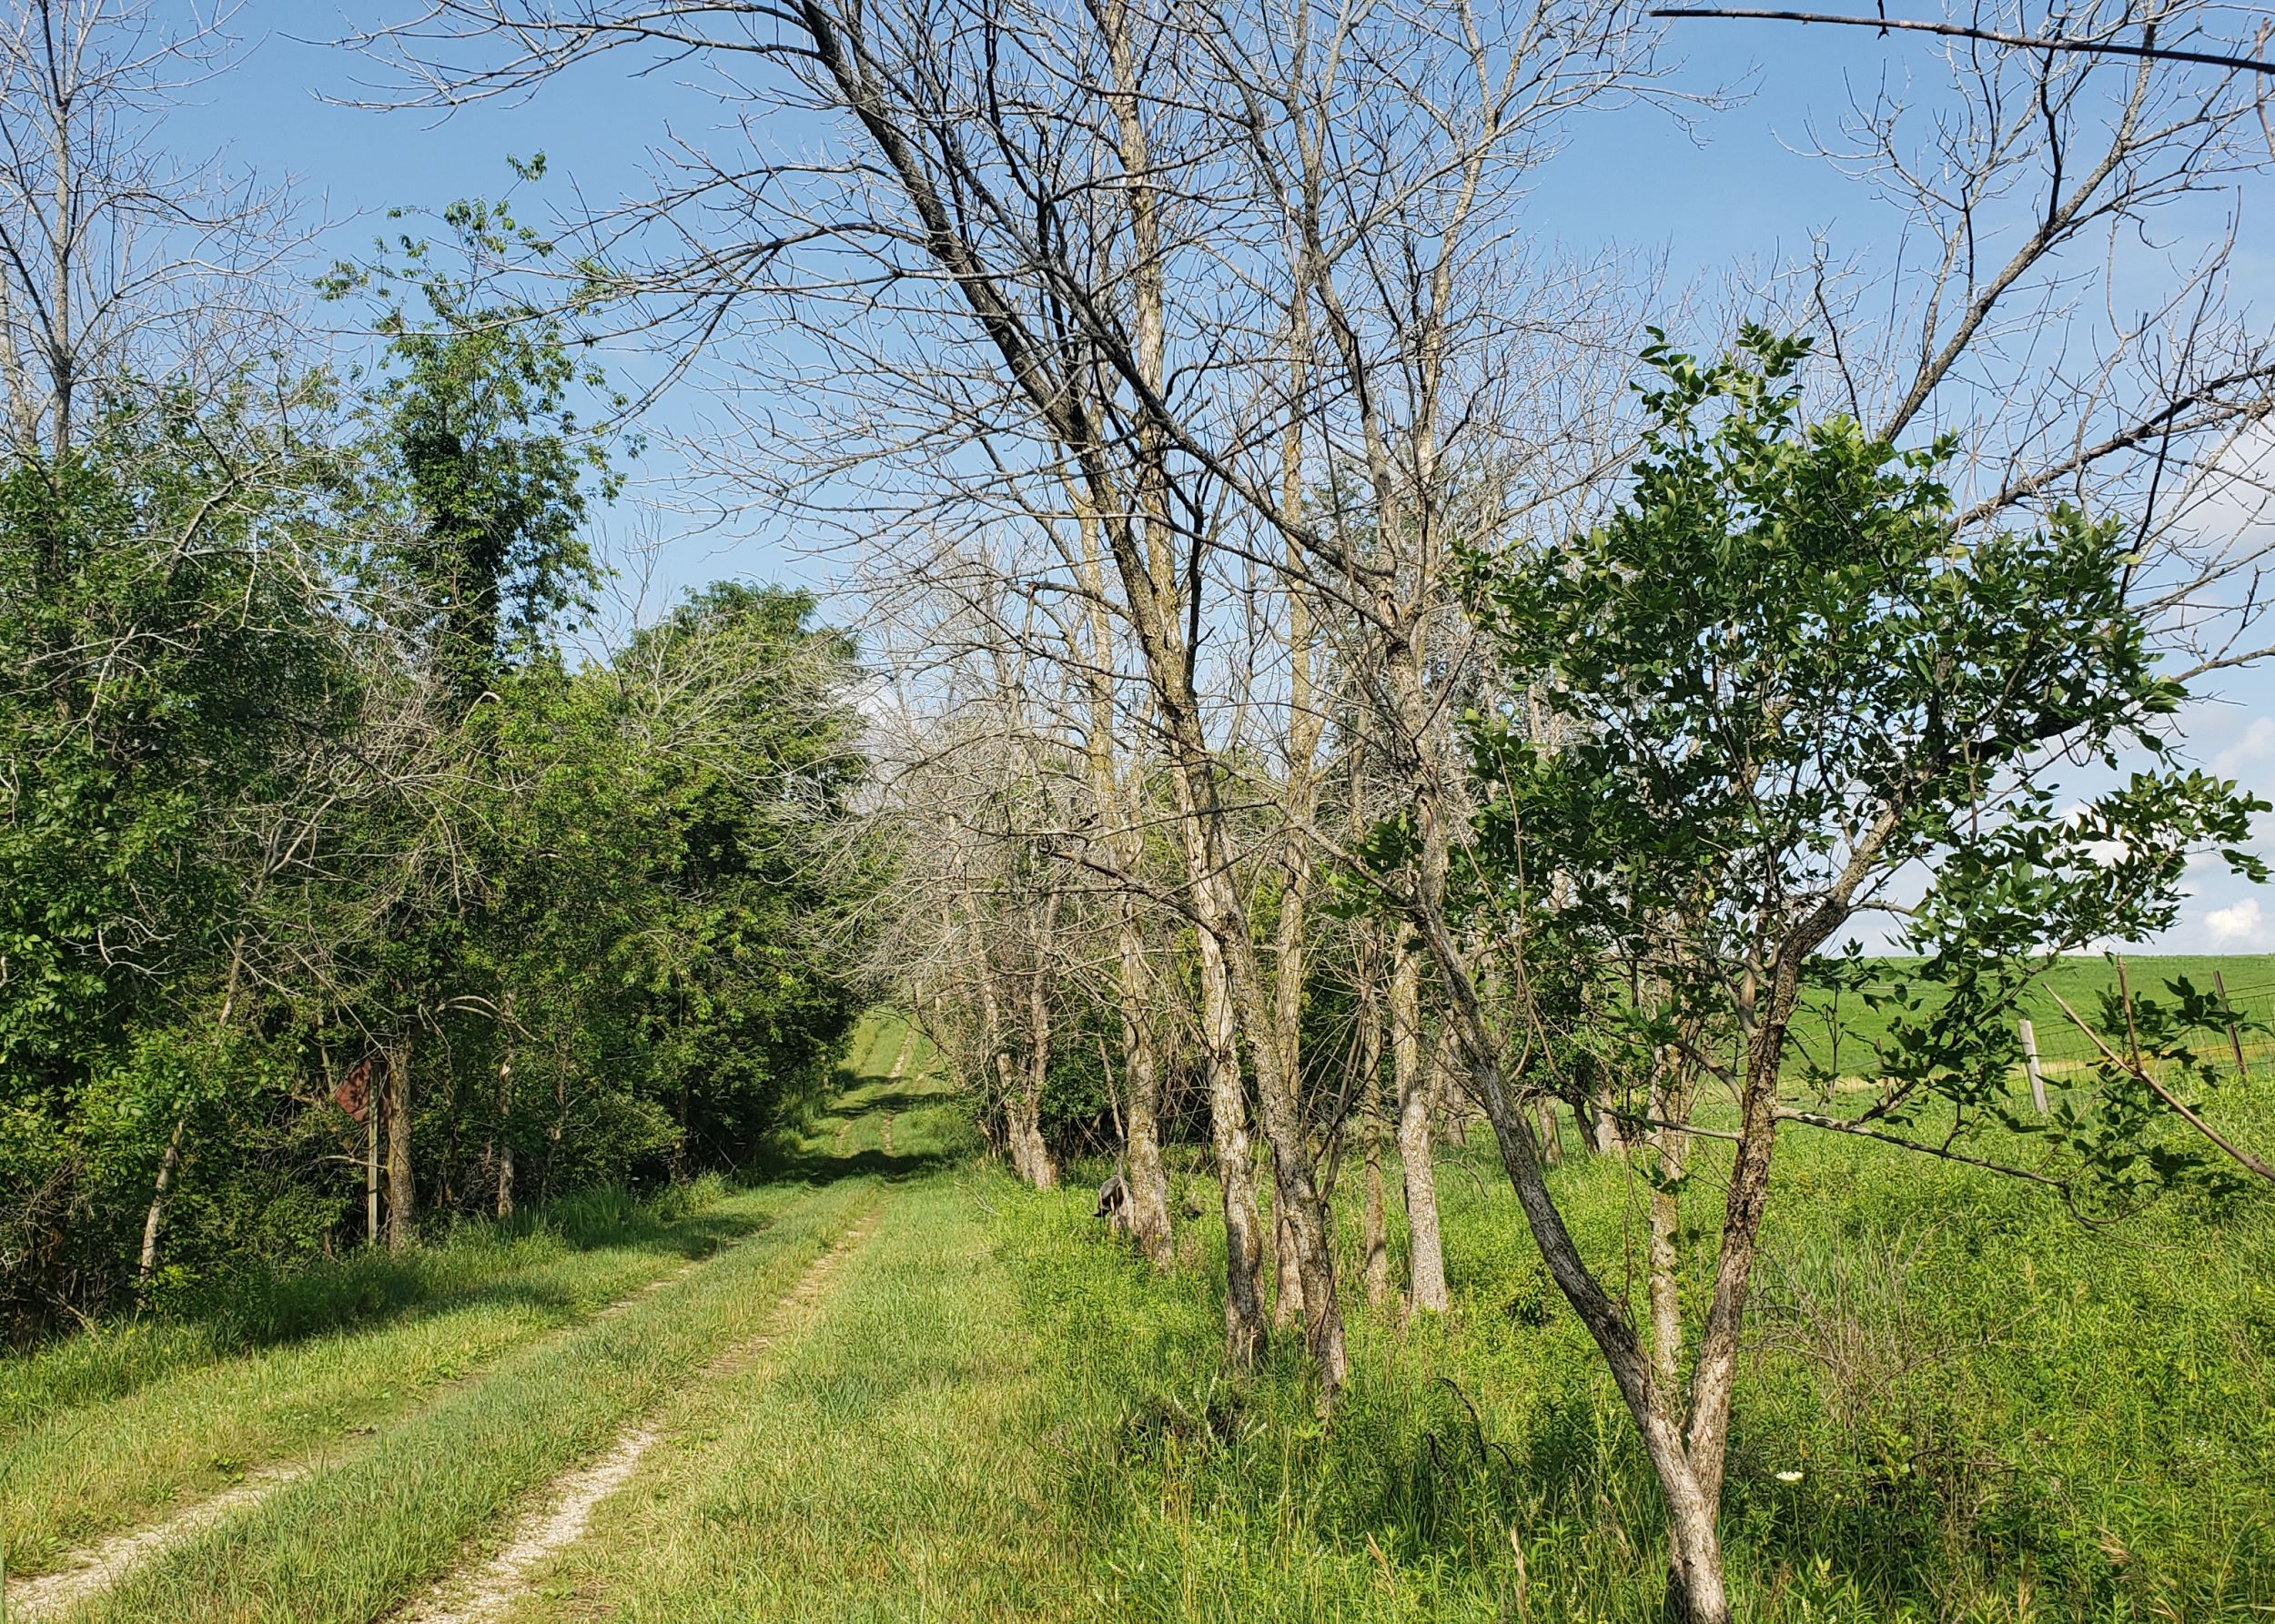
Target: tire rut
482,1596
97,1567
94,1567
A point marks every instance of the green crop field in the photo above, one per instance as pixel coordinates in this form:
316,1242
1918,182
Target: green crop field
1838,1034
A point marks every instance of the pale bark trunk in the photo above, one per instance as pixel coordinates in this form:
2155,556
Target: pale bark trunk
1665,1254
1230,981
1604,1137
399,1197
1236,1167
1376,1239
371,1171
1041,1171
1014,1141
1301,798
168,1163
505,1122
1283,1130
1426,1269
1147,1179
1288,1304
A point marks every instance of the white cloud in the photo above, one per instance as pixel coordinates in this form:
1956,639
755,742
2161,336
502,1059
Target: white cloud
2255,748
2237,925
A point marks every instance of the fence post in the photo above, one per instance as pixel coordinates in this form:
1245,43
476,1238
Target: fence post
2235,1038
2030,1064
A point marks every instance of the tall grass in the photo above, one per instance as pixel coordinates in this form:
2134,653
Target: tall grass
262,1305
1957,1404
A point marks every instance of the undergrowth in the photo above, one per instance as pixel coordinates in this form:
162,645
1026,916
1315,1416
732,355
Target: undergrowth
1956,1404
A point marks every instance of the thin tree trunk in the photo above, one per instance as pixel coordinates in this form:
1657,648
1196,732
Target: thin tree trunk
1377,1236
505,1125
1236,1166
371,1112
1551,1134
1016,1142
399,1197
1147,1179
1299,794
169,1161
1288,1301
1605,1137
1041,1171
1426,1267
1666,1221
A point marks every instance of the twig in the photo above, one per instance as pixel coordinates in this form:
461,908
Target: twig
1838,1125
1960,31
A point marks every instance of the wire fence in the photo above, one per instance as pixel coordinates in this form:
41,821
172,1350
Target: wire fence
2249,1048
1838,1038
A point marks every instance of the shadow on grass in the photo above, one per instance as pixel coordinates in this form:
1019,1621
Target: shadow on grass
887,1097
815,1164
256,1309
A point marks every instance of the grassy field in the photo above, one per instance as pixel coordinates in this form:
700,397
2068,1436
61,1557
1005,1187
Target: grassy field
895,1385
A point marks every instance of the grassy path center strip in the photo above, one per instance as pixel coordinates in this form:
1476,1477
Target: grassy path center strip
564,1520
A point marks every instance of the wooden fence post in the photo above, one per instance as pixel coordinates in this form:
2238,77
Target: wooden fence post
2235,1038
2030,1064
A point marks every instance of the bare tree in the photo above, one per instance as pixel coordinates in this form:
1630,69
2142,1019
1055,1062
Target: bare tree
121,269
1139,254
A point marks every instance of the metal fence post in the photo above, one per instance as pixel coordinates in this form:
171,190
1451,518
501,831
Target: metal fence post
2030,1064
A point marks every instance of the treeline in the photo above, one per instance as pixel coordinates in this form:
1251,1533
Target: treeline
340,894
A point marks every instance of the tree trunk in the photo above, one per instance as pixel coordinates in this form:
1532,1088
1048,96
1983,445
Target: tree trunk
505,1132
399,1198
1282,1110
558,1126
1696,1592
1149,1181
1041,1172
1604,1135
1287,1302
372,1113
1665,1252
1018,1144
1236,1166
167,1164
1426,1267
1377,1237
1551,1134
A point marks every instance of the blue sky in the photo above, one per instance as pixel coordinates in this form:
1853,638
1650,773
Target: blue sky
1739,193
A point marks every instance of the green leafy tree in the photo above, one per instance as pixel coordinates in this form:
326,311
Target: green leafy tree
168,667
1780,679
477,484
